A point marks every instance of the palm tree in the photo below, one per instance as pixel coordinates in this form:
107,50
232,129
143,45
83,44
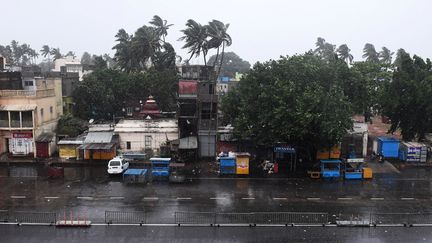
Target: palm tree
370,53
71,53
123,55
218,37
46,51
344,53
195,36
320,43
386,55
55,52
161,26
145,43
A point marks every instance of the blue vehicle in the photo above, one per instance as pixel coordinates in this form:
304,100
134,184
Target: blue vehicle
354,168
330,168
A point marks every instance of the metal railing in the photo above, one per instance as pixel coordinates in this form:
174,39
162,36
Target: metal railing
120,217
32,217
28,93
253,218
407,219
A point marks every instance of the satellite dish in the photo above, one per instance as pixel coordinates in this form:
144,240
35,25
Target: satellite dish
91,121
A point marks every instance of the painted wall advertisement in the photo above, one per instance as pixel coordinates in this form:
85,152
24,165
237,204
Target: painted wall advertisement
21,143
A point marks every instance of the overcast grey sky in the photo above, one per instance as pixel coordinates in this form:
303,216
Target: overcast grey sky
261,30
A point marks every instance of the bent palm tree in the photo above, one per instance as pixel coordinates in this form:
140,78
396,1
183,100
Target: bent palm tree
195,36
344,53
386,55
370,53
55,52
219,37
161,26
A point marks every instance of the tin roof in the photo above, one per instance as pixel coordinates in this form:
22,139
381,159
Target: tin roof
99,146
98,137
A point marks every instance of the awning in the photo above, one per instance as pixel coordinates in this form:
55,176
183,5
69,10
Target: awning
29,107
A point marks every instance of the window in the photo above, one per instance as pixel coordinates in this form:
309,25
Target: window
129,111
211,89
148,141
128,145
41,111
51,109
28,83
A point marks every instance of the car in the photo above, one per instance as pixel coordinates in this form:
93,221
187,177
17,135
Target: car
117,165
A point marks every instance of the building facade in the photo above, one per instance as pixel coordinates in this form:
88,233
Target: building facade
28,111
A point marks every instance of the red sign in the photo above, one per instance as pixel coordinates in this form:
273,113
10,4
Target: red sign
22,135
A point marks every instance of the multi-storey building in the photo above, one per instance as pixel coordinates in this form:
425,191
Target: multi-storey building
197,114
30,106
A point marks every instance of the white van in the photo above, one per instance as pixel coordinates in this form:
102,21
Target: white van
117,165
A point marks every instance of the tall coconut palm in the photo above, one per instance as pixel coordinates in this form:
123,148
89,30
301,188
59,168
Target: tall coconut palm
344,53
385,55
161,26
46,51
218,37
195,36
145,43
370,53
123,55
55,52
320,44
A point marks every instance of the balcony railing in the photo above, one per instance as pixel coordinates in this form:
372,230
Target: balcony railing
27,93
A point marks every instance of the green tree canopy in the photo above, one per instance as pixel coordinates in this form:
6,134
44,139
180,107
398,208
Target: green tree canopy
295,99
407,100
232,63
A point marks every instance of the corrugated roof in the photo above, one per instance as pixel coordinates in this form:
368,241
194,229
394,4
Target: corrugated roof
70,142
98,137
99,146
28,107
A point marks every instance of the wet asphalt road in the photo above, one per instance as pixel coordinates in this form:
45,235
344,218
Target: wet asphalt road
107,234
89,192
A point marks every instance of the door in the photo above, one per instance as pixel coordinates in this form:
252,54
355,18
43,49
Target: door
42,150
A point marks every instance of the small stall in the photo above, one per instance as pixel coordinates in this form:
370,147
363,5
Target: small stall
413,152
353,168
242,163
227,165
388,147
160,167
135,176
330,168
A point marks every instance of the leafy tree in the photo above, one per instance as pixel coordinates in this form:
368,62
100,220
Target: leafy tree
99,62
295,99
103,92
370,53
407,100
344,53
196,38
71,126
385,56
71,53
18,55
232,63
399,54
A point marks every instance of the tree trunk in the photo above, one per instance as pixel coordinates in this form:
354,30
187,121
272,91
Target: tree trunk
217,56
222,57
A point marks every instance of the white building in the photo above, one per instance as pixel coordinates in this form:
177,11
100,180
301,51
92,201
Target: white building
70,64
139,135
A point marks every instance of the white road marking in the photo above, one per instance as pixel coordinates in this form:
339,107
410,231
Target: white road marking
85,198
280,198
217,198
313,198
344,198
18,197
116,198
248,198
407,198
51,197
184,198
377,198
150,198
